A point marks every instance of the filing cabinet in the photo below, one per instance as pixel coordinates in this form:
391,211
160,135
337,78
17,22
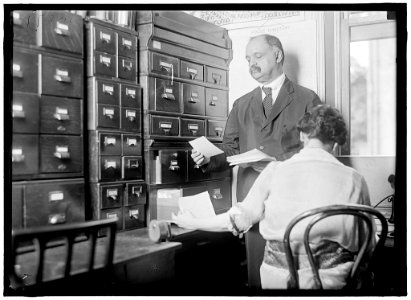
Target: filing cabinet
47,111
115,141
183,63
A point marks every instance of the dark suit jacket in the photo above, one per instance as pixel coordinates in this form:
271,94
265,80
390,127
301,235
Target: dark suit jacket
246,129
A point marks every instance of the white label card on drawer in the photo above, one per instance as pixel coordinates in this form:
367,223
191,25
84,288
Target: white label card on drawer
131,113
61,72
127,42
56,196
111,216
170,91
108,88
62,111
110,140
112,192
17,107
131,142
62,26
190,70
105,36
110,164
16,67
215,98
105,59
165,125
62,149
156,45
130,92
108,111
17,151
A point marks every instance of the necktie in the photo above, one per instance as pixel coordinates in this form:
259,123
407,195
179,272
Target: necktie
268,101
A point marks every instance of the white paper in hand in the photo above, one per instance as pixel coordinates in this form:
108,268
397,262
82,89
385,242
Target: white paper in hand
203,145
198,205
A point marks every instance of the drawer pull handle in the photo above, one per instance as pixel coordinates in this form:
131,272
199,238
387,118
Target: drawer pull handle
62,76
168,94
57,219
56,196
216,78
62,29
193,73
193,98
18,111
127,64
213,99
17,155
193,128
112,194
17,72
167,67
174,165
166,127
126,43
16,19
105,60
108,89
216,194
108,112
131,115
137,190
109,141
105,37
133,164
109,164
131,142
131,93
61,114
218,131
62,152
133,214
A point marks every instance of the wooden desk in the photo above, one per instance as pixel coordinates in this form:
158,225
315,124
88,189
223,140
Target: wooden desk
138,262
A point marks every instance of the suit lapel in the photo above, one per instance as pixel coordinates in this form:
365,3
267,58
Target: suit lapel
257,103
283,100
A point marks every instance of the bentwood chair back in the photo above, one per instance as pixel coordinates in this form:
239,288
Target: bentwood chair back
363,212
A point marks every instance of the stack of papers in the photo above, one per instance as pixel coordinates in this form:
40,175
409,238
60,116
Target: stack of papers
204,146
198,205
249,157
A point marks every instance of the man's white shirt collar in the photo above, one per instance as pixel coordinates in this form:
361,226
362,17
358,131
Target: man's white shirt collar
275,86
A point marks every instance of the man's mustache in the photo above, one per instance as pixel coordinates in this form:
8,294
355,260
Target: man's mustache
255,68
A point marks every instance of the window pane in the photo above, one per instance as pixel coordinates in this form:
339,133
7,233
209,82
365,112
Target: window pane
373,97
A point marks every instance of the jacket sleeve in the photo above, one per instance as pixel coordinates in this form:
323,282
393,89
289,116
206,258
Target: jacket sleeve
230,144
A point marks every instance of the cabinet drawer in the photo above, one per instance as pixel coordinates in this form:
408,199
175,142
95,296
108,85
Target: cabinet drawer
108,92
127,45
132,144
104,39
110,144
216,76
192,71
111,196
113,213
130,96
25,26
130,119
17,206
105,64
62,77
25,113
25,71
165,65
216,103
215,128
220,194
108,116
173,166
127,68
62,31
192,127
134,216
193,99
166,96
61,154
110,167
135,194
60,115
25,154
164,126
132,167
54,203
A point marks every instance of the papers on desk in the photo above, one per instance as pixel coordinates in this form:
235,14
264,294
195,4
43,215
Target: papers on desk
198,205
203,145
251,156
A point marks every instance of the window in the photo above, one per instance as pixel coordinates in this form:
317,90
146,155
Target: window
372,88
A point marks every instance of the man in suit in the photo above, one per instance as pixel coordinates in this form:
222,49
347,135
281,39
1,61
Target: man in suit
266,119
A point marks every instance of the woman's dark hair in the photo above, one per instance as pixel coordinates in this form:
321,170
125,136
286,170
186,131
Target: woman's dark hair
325,123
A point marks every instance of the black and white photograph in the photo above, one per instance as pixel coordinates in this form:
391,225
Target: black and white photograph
204,149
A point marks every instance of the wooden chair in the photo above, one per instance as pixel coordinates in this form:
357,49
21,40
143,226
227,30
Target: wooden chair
366,213
53,249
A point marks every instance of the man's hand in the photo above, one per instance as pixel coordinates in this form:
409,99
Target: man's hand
198,158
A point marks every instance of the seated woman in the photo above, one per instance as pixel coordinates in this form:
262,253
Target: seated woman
310,179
